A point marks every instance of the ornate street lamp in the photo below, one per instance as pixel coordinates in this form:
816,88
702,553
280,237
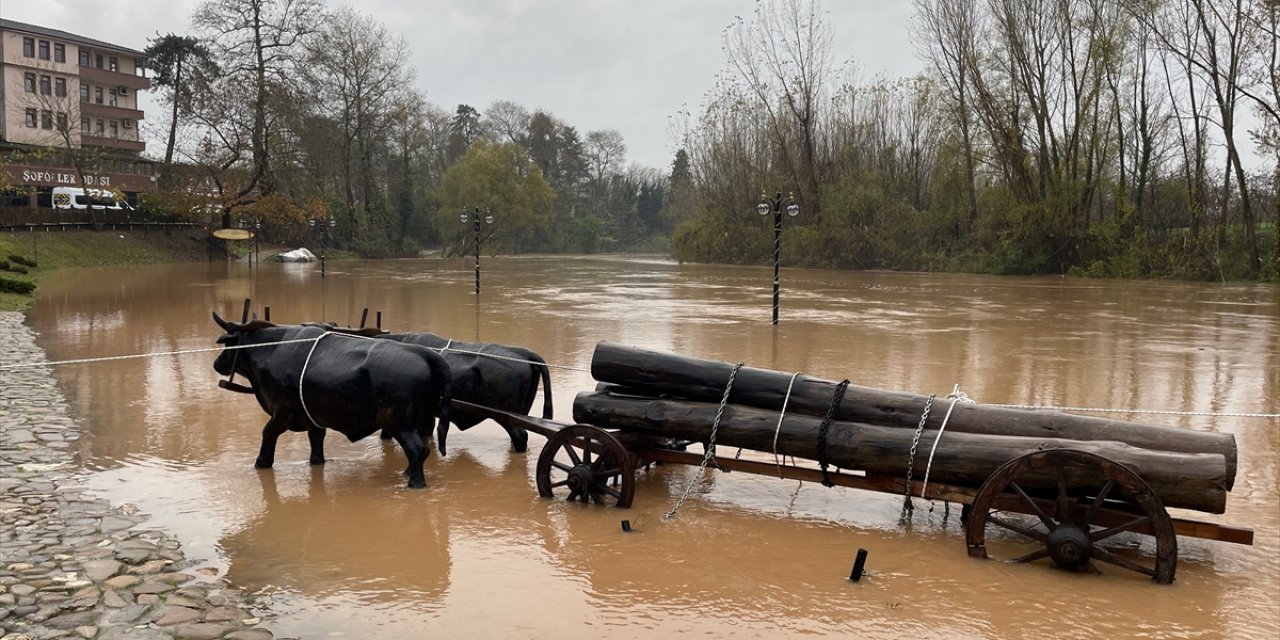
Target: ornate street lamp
766,205
474,218
325,226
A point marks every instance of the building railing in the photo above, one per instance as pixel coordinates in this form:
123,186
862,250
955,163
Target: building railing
27,219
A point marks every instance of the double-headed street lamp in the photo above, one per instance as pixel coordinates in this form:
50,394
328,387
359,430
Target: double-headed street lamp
325,226
766,205
474,217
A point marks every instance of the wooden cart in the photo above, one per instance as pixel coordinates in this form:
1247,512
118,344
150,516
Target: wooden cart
585,463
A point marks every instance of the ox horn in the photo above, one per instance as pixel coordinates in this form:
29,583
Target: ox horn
252,325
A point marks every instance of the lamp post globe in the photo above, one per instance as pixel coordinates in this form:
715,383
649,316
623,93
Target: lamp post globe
776,206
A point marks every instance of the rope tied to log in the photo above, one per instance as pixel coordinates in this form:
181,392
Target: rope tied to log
907,506
955,396
781,416
824,428
711,444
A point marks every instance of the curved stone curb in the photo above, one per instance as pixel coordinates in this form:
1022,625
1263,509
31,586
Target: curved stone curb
75,566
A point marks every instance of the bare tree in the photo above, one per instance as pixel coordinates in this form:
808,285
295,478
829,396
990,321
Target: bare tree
947,33
255,42
784,59
358,69
506,122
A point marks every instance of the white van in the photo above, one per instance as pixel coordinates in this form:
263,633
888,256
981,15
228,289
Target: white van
75,198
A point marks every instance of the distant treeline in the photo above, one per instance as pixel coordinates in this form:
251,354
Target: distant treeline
1046,136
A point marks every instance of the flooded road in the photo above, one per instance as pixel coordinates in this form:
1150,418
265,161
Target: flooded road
346,551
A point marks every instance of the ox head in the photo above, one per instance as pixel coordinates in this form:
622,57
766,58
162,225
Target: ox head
227,361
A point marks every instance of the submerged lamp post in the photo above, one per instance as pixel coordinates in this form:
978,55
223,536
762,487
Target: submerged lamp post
474,218
766,205
255,226
325,226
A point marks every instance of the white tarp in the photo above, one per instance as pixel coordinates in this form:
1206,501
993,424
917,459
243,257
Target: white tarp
297,255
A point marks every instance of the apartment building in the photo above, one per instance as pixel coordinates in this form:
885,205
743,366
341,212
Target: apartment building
64,92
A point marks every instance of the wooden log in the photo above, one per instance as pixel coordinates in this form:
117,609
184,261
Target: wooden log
670,375
1186,480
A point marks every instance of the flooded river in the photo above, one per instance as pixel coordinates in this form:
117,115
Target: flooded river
346,551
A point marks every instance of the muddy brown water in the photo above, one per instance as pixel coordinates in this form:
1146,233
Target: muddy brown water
345,550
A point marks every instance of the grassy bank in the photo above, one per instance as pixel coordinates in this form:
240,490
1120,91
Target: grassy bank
58,250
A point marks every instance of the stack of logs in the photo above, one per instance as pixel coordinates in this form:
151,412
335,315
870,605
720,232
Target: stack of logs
671,396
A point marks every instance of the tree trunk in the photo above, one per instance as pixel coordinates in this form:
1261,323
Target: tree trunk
1184,480
678,376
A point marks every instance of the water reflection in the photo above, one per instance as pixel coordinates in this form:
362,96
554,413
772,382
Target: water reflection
346,551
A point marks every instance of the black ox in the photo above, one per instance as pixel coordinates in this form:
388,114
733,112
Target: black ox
351,384
493,375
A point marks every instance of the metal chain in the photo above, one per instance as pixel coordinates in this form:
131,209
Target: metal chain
711,444
824,428
907,507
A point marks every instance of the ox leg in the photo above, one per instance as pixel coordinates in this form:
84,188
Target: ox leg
270,434
519,438
416,451
316,436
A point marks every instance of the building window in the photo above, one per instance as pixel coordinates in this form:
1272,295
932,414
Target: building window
59,52
46,119
29,82
44,49
85,126
97,95
60,87
115,129
112,101
29,47
46,85
84,92
97,60
113,63
84,57
31,118
62,122
99,127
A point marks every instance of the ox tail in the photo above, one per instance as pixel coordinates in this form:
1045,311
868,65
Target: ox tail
546,388
442,425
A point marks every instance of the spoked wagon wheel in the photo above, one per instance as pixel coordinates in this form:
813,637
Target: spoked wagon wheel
1070,514
588,464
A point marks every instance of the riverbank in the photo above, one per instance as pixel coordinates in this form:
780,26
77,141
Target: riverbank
52,250
72,565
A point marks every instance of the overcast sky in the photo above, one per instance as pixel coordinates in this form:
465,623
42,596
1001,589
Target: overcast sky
596,64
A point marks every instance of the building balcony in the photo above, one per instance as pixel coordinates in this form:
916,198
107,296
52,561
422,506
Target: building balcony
112,143
95,110
109,78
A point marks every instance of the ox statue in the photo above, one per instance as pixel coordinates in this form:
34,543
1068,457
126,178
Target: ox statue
493,375
315,380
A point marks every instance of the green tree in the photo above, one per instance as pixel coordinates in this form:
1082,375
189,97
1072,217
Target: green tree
179,64
502,179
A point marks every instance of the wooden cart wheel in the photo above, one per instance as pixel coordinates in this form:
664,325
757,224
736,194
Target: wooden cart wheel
1094,499
589,464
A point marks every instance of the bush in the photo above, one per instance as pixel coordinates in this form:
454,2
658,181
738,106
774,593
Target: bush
26,262
16,286
15,268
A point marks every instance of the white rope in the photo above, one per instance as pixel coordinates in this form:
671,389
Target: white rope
306,363
54,363
956,396
781,416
